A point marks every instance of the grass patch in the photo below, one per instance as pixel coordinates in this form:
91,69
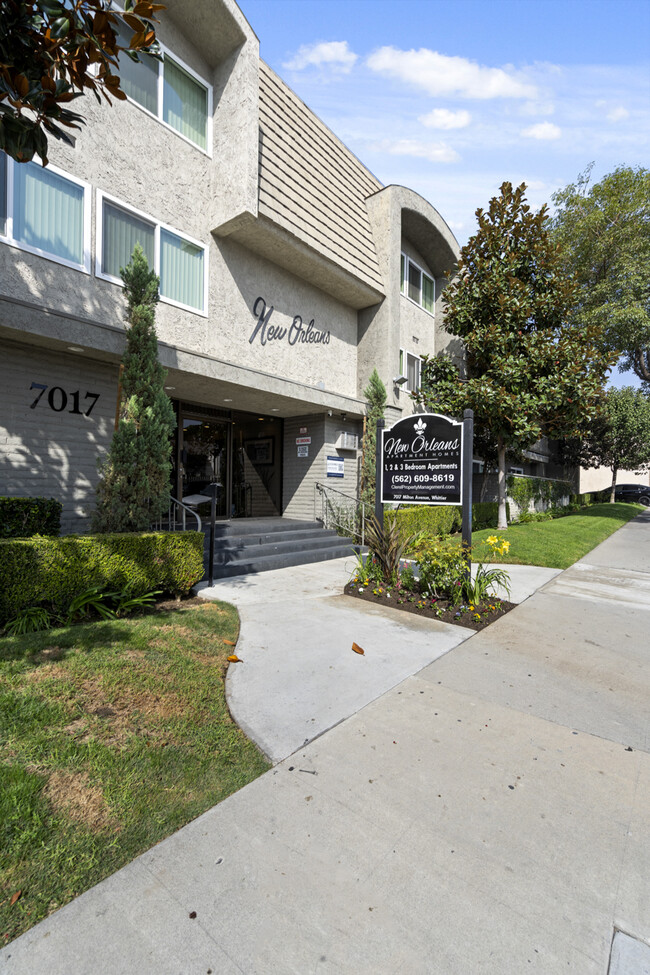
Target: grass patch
112,736
561,542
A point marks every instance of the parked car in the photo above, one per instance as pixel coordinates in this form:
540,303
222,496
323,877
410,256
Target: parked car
633,492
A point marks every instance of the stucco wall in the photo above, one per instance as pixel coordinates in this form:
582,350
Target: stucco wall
302,473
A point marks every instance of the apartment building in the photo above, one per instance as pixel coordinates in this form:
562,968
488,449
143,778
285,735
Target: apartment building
287,273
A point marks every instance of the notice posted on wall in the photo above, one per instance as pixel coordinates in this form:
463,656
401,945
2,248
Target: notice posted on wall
335,466
303,450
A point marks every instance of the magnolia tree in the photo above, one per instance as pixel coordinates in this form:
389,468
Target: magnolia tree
133,490
528,370
51,52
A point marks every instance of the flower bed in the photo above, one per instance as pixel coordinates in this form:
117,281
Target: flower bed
471,615
437,583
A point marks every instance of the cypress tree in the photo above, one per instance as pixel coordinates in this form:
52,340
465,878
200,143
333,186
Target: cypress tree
375,393
133,489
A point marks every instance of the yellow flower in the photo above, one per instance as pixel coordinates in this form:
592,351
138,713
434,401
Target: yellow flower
493,540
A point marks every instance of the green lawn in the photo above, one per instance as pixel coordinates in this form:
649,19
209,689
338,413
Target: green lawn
112,736
561,542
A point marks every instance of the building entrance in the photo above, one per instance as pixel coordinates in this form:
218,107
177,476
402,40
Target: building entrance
239,455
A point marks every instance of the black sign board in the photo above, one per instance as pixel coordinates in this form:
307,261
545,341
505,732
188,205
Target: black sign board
421,460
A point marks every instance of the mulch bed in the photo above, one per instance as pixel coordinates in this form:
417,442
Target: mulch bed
473,616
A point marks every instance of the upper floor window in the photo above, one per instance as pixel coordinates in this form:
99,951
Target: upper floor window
179,261
410,366
416,284
171,91
45,212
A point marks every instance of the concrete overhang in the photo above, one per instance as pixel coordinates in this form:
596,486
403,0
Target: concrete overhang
196,378
264,237
215,27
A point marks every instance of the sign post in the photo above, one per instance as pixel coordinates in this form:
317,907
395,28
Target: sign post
468,457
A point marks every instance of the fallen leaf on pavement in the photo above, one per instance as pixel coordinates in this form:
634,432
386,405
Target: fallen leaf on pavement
234,659
357,648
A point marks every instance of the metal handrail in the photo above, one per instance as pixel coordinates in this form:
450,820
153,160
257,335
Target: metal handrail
354,521
177,517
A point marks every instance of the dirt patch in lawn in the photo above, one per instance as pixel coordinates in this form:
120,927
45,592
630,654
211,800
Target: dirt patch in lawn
474,616
71,793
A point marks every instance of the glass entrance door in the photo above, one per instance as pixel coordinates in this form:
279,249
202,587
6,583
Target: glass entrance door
204,457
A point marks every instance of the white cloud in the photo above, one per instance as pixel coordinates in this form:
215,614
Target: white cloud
442,118
543,130
334,54
617,114
438,74
433,151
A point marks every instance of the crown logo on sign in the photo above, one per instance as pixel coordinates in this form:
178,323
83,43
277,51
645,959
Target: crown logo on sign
420,426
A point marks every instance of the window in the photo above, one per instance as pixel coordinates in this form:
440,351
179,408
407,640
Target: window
45,212
180,263
171,91
409,366
416,284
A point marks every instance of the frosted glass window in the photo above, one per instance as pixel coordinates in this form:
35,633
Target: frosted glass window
185,103
181,270
48,212
121,232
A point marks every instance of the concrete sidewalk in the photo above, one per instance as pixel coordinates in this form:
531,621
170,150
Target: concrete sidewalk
299,677
489,814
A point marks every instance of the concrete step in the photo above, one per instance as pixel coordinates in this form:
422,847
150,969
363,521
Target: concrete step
257,545
234,551
281,561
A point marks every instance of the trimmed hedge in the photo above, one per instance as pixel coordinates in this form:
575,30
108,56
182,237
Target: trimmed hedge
446,519
52,571
434,519
24,517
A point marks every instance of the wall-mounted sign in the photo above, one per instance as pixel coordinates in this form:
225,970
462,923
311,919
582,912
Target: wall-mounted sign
57,399
303,440
295,333
303,450
303,430
422,460
335,466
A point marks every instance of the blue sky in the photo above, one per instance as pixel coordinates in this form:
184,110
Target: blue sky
453,98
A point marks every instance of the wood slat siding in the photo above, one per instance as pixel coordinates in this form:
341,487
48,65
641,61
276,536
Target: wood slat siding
311,184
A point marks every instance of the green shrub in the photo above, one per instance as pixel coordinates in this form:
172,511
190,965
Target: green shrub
50,572
440,520
582,499
24,517
485,514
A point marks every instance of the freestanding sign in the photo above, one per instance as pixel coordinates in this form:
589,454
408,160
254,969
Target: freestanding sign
422,460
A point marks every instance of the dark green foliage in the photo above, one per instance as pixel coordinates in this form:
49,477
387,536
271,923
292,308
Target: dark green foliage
620,437
134,487
604,234
387,543
529,371
51,572
53,50
375,393
23,517
439,520
485,514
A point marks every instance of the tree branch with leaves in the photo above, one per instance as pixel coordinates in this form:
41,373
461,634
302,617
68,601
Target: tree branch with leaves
51,52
